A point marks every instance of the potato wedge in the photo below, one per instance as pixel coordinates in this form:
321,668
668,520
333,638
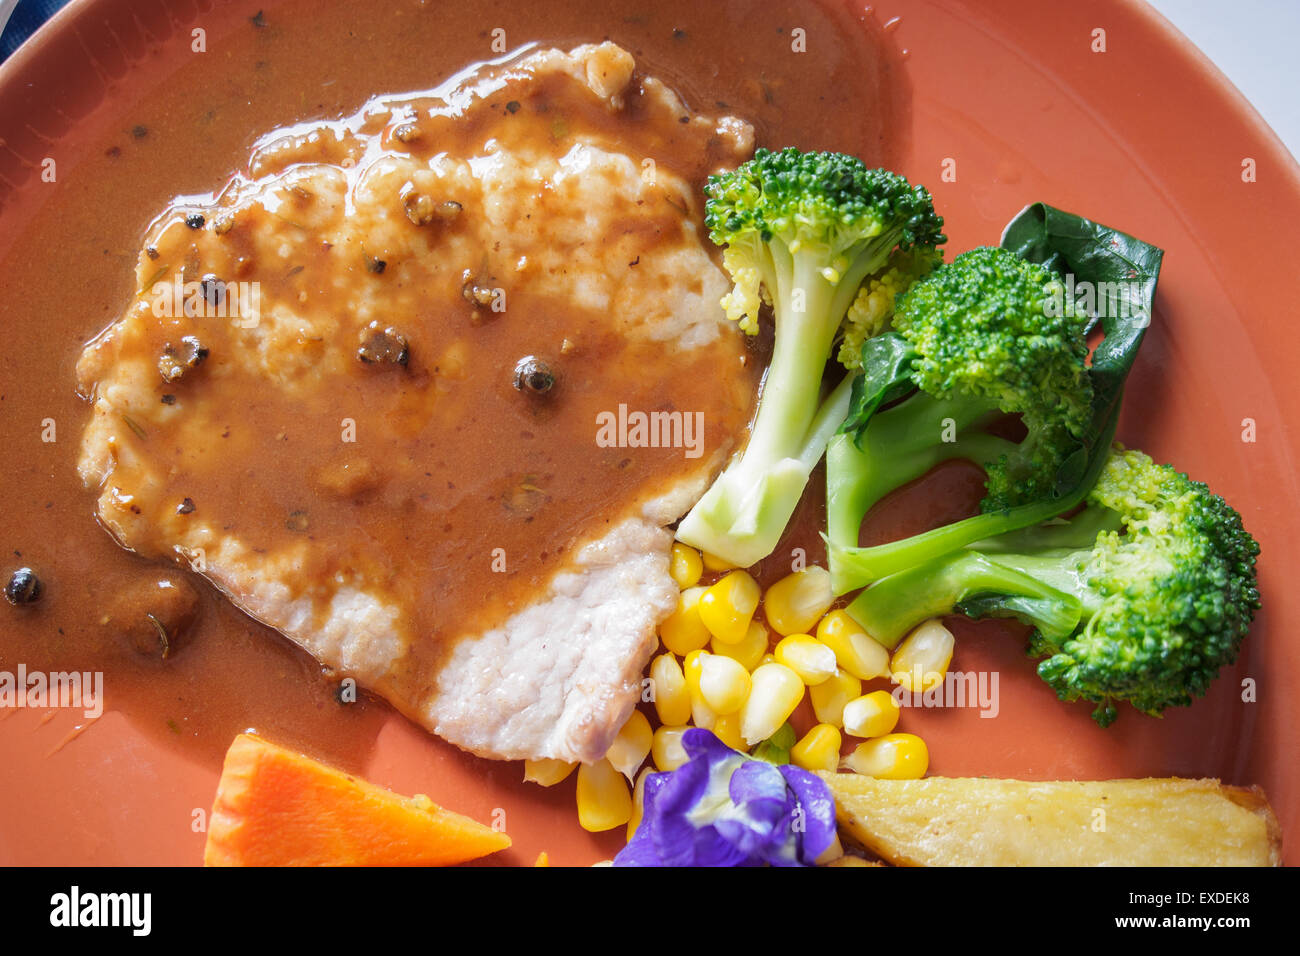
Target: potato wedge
969,821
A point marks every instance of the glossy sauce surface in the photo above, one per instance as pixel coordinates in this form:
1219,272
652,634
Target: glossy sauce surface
323,380
183,125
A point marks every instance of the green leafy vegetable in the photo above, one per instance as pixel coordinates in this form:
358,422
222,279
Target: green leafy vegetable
1065,451
973,344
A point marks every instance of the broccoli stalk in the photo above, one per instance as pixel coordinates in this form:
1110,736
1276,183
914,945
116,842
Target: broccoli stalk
870,564
1024,488
802,232
974,341
1143,596
1038,586
898,448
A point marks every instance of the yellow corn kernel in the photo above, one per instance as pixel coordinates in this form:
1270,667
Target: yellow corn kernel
854,648
830,696
683,631
630,747
714,563
808,657
775,691
819,749
604,800
671,698
666,748
749,651
724,683
638,803
702,715
796,602
872,715
892,757
727,729
922,660
547,772
727,607
685,565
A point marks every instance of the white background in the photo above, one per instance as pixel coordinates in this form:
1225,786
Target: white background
1254,43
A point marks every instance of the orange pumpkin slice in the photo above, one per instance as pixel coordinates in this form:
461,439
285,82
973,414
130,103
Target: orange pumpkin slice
275,807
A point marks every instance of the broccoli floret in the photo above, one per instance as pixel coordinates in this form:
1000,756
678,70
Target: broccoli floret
973,341
1142,597
802,232
873,309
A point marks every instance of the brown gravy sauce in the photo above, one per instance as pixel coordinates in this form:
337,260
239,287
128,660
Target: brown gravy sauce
71,272
421,471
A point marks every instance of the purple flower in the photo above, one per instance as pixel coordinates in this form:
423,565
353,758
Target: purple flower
724,808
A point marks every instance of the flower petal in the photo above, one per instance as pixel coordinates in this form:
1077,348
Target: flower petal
698,742
674,833
814,798
724,808
641,850
756,780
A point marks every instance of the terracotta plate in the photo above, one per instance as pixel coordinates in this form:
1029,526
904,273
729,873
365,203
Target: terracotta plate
1014,98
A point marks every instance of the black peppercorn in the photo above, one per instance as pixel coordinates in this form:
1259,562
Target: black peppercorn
533,375
24,587
383,346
